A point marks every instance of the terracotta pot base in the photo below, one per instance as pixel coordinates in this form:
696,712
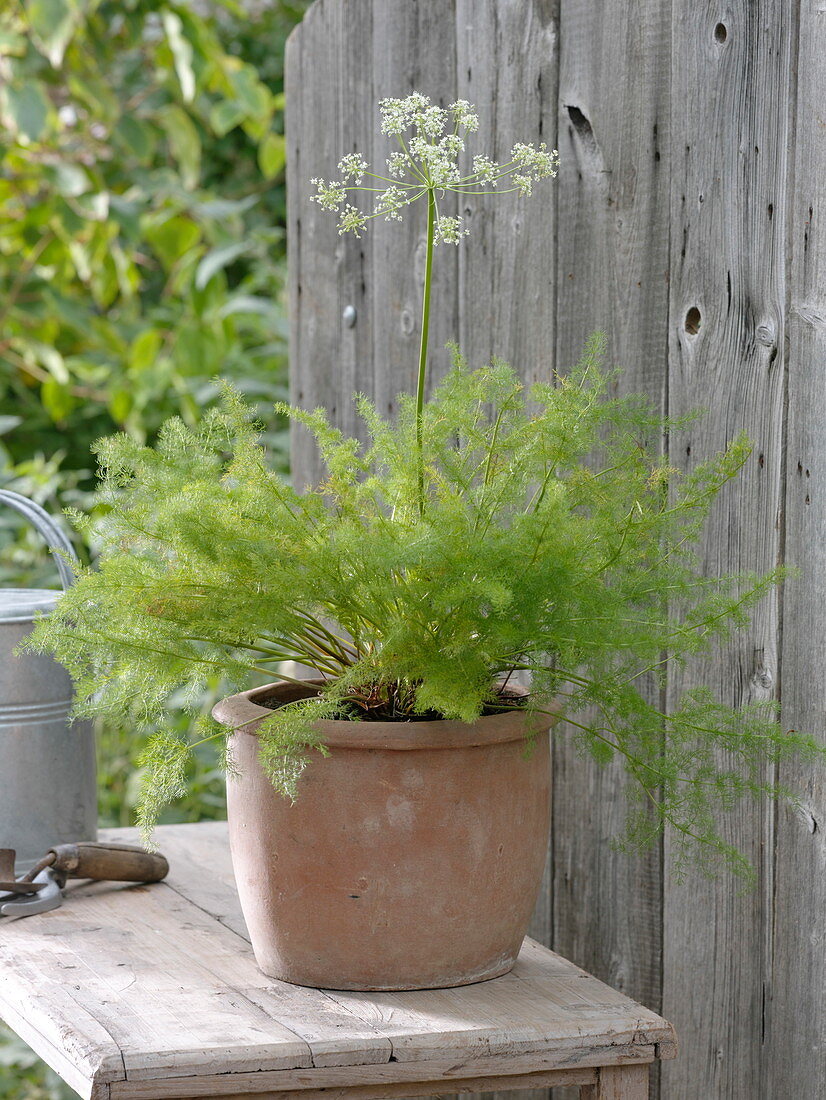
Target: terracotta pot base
411,858
449,981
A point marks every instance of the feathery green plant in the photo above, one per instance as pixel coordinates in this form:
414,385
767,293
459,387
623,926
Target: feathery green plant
548,542
485,532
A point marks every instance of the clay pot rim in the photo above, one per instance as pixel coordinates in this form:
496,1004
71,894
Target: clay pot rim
243,715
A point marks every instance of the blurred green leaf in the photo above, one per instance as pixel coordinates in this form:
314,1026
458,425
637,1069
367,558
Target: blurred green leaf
225,116
197,351
247,303
225,208
184,143
51,359
218,259
95,94
136,137
173,237
28,109
272,154
145,349
57,399
70,179
94,206
52,23
251,94
120,405
11,44
181,52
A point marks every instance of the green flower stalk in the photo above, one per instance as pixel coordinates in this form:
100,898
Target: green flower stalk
425,167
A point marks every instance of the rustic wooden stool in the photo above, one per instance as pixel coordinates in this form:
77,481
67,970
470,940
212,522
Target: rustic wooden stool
152,993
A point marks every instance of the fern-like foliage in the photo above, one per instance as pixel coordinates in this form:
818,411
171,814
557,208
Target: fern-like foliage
551,539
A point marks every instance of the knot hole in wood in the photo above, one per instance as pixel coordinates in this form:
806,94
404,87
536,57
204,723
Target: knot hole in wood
693,320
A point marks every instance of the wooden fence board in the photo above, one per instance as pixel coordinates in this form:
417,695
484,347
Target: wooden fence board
731,74
796,1034
413,49
330,99
507,67
612,275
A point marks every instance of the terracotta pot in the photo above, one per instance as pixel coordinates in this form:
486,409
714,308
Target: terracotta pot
411,858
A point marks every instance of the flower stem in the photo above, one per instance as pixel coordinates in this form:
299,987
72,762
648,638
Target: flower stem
428,269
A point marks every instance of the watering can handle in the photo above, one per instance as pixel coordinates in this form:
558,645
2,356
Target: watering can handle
46,526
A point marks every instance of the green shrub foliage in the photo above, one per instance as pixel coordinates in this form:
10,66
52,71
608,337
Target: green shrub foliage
552,539
141,239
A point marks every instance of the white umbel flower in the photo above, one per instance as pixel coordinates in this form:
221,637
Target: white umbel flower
431,143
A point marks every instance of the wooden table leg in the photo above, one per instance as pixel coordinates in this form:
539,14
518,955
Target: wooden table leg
618,1083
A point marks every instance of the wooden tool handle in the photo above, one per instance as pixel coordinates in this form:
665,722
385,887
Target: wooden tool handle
114,862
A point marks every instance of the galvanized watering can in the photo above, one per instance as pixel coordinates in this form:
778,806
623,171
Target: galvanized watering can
47,765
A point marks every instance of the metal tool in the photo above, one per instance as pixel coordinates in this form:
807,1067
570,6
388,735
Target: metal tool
41,888
14,905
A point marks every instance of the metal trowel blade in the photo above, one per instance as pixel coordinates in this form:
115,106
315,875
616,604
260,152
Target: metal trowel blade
50,896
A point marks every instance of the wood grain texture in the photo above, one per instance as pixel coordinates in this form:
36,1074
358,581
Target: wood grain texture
413,49
629,1083
731,74
460,1086
796,1025
68,1039
329,96
507,61
611,275
148,992
491,1072
340,62
507,66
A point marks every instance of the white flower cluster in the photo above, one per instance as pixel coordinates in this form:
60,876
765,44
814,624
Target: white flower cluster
353,167
428,164
532,164
485,169
330,195
351,221
437,160
398,115
449,230
390,202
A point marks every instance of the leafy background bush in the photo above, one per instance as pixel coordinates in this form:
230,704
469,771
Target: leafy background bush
141,254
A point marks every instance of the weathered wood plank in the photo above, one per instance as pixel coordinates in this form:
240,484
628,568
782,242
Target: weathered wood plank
525,1083
200,867
413,49
796,1036
611,274
729,125
340,62
146,982
615,1083
329,96
444,1071
68,1040
507,65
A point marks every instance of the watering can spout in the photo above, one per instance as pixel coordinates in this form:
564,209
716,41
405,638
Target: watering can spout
46,761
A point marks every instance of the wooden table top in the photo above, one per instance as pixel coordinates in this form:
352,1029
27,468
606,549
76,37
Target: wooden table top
137,992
